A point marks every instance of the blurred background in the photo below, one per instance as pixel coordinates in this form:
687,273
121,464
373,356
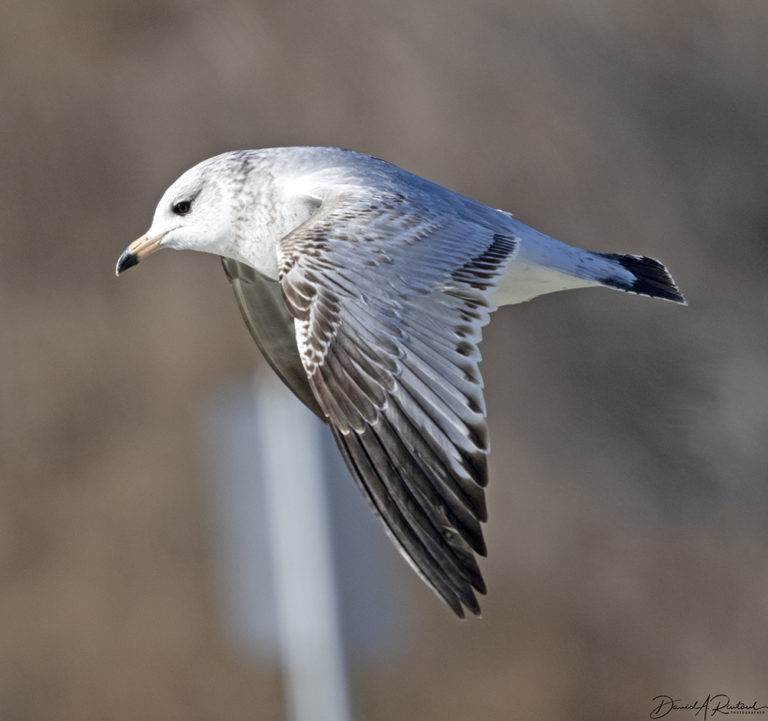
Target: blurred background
628,494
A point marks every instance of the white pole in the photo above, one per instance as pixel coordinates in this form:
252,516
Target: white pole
305,591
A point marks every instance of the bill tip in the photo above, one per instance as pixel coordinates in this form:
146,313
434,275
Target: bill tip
125,261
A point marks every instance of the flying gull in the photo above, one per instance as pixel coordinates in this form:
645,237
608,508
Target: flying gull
366,289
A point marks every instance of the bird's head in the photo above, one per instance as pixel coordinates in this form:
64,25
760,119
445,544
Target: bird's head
193,214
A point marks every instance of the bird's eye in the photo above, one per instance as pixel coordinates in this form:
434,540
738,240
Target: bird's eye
182,207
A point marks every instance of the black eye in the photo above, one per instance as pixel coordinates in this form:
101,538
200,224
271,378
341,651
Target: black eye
182,207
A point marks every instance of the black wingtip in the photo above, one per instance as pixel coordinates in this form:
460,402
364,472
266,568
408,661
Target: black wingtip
651,278
474,607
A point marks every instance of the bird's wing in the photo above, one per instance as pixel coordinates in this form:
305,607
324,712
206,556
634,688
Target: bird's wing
267,317
389,298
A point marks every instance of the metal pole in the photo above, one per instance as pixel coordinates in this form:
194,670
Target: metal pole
305,591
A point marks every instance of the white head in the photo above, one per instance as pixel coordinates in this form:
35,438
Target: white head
196,212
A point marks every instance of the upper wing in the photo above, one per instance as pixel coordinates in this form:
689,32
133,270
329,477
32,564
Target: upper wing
264,312
389,299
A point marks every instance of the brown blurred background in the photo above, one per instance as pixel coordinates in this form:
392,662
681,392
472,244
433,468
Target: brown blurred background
627,538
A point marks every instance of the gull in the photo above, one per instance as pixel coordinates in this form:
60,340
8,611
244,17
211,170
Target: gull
366,288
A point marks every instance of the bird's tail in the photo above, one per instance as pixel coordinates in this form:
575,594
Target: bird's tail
641,275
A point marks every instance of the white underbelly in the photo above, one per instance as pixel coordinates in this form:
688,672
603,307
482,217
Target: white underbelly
522,281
